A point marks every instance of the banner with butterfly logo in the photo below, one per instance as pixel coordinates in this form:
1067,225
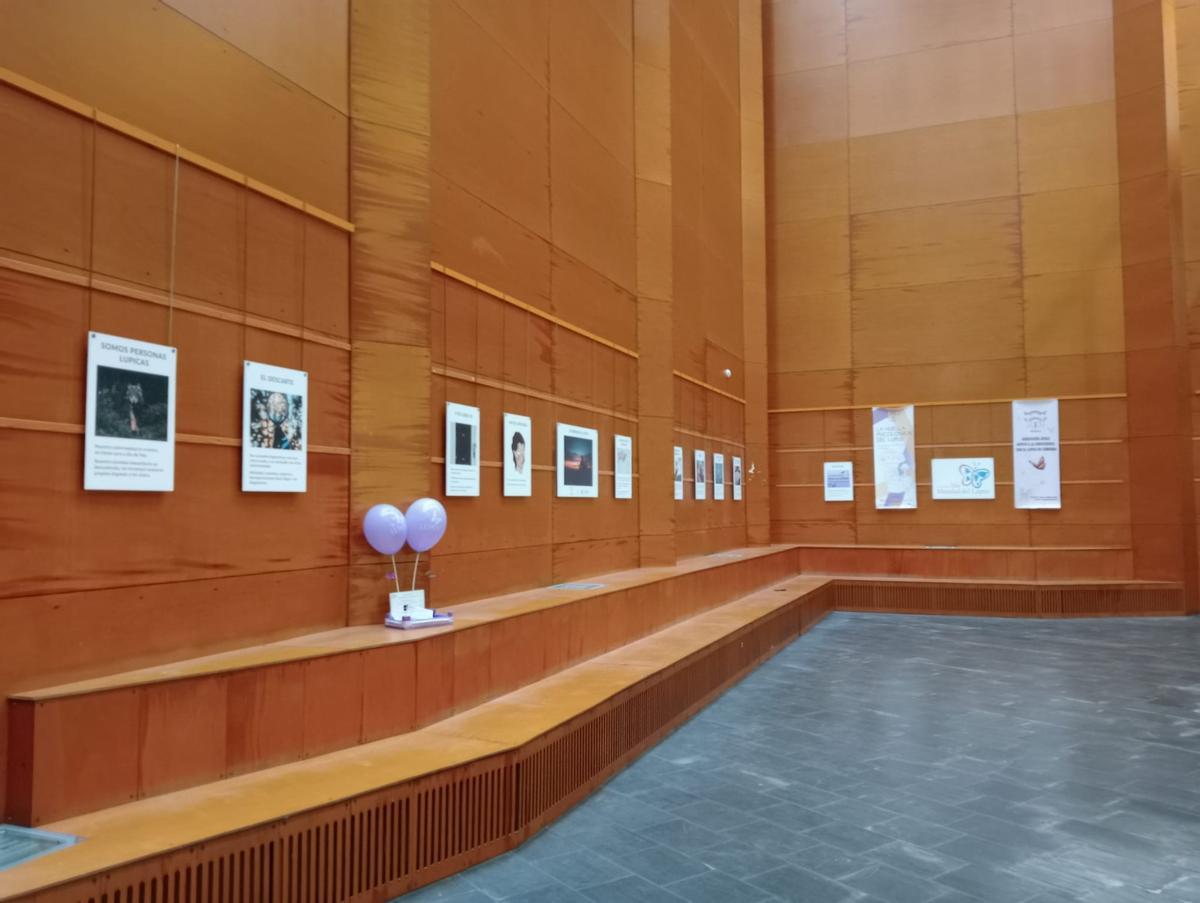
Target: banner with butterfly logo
964,478
1036,482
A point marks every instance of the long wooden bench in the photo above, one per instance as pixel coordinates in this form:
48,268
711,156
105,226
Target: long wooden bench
378,819
91,744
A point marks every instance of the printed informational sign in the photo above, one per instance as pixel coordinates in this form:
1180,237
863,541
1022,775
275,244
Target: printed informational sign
700,479
578,473
895,457
517,455
678,472
964,478
737,479
622,467
129,430
718,477
1036,477
839,481
462,449
275,429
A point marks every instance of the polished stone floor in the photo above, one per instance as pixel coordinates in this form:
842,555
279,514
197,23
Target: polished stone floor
902,760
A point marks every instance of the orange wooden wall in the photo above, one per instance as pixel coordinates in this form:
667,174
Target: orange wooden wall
946,190
586,163
100,581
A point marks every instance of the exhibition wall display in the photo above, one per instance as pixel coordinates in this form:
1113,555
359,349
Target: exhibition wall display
274,429
839,481
678,472
578,473
737,479
895,457
129,432
622,467
718,477
963,478
1036,479
462,450
517,454
701,479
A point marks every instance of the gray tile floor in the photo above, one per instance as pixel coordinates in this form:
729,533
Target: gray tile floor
903,760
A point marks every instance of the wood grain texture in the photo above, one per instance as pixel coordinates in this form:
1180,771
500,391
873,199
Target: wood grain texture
956,210
174,78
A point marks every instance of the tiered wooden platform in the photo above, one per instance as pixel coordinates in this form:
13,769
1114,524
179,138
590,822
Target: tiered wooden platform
359,763
87,745
380,818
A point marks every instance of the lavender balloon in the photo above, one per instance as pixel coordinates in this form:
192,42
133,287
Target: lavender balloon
426,524
385,529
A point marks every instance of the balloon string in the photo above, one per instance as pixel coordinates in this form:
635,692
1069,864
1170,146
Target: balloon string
395,576
415,560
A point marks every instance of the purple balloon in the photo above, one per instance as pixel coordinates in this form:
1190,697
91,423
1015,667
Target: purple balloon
426,524
385,529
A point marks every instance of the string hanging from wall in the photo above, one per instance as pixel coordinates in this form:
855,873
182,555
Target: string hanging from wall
174,239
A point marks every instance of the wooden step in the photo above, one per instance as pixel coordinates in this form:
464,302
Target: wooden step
381,818
96,743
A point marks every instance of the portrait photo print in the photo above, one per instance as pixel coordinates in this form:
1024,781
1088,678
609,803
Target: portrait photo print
131,404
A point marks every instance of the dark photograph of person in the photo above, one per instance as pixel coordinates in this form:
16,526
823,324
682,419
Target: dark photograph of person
577,461
131,404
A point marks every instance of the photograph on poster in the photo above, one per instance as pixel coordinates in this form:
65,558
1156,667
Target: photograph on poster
578,474
129,433
517,454
1036,476
718,477
462,450
275,424
701,479
737,479
839,481
895,457
963,478
678,472
131,405
623,467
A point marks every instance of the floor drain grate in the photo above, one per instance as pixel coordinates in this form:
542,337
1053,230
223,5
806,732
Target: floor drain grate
19,844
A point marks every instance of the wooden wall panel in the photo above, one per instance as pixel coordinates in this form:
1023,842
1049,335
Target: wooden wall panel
944,224
306,42
154,576
165,73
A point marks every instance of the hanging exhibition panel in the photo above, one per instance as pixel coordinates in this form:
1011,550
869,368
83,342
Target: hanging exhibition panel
895,457
129,431
517,453
274,429
1036,479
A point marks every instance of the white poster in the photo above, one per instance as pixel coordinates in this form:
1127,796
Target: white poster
462,449
700,483
518,455
576,454
895,457
275,429
737,479
718,477
964,478
678,472
1035,454
622,467
129,431
839,481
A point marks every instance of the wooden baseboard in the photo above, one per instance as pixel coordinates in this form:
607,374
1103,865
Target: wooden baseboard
1002,599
